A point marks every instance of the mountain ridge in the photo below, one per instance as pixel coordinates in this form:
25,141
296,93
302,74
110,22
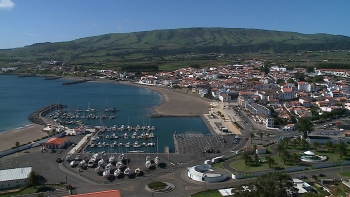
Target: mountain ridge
119,47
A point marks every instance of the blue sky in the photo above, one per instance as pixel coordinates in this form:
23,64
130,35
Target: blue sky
25,22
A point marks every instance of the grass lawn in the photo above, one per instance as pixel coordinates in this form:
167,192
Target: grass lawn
347,174
210,193
240,165
28,190
217,165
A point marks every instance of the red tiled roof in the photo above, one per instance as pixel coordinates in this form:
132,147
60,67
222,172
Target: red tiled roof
56,141
109,193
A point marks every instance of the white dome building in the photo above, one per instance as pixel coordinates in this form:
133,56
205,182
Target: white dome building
204,173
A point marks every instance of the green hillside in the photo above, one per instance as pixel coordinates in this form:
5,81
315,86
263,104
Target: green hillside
143,47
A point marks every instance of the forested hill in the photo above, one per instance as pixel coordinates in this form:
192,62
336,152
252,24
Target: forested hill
132,46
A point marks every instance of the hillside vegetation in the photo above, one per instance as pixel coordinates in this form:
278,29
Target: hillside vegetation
153,46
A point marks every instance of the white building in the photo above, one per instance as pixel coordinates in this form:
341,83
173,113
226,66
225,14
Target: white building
204,173
12,178
224,97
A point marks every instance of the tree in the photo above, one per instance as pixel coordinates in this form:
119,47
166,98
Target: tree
270,161
256,158
304,125
285,156
245,156
341,148
316,145
286,141
304,143
329,145
261,134
280,148
267,185
295,158
290,80
17,145
295,143
252,135
33,179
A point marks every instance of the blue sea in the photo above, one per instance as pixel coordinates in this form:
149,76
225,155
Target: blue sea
21,96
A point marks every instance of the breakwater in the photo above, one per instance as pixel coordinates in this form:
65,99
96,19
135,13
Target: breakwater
75,82
28,75
38,117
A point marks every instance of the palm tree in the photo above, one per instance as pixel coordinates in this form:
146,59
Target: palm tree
256,158
295,157
316,145
17,145
245,156
280,147
285,156
261,134
33,179
252,135
304,143
270,161
286,140
329,145
341,148
295,143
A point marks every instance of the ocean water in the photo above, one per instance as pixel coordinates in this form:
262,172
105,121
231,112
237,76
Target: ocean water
19,97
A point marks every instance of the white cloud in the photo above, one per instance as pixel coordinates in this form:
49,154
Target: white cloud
6,4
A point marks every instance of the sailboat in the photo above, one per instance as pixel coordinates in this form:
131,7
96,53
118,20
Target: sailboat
117,172
137,170
148,162
127,170
157,159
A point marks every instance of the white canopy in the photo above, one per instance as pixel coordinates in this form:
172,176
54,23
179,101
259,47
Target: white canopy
309,153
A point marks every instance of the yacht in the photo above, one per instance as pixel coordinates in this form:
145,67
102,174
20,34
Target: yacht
127,145
148,164
72,163
111,159
107,136
119,164
125,136
137,171
156,160
106,173
117,172
127,171
101,162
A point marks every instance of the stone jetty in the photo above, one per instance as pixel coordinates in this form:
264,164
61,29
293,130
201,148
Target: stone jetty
38,117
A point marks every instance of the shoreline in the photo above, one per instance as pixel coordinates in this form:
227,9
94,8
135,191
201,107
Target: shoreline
174,103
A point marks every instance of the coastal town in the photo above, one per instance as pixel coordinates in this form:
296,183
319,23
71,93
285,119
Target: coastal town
255,114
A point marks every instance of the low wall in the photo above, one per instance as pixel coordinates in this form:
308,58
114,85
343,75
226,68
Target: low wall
237,176
262,172
293,169
28,146
323,165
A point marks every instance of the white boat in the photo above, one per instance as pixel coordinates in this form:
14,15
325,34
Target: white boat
119,164
153,128
137,171
81,164
127,145
117,172
121,157
98,168
125,136
148,158
101,162
92,145
151,135
136,145
91,162
111,159
156,160
127,171
72,163
106,173
120,144
107,136
148,164
108,167
111,145
151,144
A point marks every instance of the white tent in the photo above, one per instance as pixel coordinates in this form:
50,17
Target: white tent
309,153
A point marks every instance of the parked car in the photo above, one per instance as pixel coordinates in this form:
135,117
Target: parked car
321,175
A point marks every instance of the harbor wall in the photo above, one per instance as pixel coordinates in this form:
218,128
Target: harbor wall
38,117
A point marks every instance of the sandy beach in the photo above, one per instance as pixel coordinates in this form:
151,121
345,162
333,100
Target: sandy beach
23,136
174,103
